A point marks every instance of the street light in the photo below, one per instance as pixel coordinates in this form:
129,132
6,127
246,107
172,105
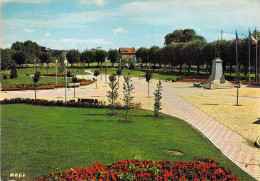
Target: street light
34,65
56,70
65,62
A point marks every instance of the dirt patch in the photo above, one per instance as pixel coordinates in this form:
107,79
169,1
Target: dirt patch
125,121
173,152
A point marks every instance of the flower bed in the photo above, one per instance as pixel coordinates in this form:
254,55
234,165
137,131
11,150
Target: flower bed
33,88
86,82
200,169
42,87
192,80
58,75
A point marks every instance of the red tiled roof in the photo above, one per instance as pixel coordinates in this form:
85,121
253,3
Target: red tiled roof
127,50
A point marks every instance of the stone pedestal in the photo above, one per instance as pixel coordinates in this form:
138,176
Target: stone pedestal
217,79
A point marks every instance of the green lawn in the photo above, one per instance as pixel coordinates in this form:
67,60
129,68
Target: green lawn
65,138
24,79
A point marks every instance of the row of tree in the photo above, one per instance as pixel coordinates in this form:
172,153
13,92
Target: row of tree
182,48
29,52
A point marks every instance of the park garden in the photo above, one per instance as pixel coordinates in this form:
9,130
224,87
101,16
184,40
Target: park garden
57,140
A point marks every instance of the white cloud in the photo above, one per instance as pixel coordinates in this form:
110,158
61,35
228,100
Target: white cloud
47,34
97,2
74,43
28,30
119,30
26,1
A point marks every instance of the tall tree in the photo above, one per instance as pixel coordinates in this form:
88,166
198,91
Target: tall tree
101,56
153,55
6,58
113,56
178,36
17,46
73,56
87,57
19,57
143,54
45,57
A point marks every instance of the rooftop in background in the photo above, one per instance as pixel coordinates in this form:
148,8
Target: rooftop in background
127,50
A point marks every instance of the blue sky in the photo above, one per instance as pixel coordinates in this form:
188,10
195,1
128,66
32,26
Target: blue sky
86,24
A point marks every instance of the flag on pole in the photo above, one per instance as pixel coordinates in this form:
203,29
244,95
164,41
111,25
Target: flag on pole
252,39
237,38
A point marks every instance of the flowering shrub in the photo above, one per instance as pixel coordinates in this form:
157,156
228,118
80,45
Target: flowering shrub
200,169
86,82
33,88
192,80
42,86
58,75
43,102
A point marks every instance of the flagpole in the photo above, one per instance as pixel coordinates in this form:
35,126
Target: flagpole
249,77
256,57
237,71
236,49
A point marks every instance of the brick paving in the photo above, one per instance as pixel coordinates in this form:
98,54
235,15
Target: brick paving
230,143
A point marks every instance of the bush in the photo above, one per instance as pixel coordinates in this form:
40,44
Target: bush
134,169
43,102
69,74
13,72
4,76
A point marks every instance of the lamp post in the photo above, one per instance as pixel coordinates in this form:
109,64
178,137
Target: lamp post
65,62
56,70
34,65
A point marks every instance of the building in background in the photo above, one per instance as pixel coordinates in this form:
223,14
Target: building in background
127,53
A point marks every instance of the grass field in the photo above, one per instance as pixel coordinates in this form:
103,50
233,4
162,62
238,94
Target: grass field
58,139
24,79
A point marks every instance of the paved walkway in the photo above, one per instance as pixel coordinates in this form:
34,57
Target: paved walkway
231,144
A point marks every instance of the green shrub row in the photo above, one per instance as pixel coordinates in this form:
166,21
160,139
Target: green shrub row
43,102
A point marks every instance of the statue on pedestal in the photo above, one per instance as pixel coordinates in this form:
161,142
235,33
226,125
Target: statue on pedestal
217,50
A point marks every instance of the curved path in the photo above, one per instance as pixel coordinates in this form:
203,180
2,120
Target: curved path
230,143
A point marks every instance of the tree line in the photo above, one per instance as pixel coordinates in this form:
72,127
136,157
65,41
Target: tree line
183,48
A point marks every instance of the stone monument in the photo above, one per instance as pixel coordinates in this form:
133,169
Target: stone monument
217,79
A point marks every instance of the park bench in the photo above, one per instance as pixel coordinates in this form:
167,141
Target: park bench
168,80
196,83
92,101
72,84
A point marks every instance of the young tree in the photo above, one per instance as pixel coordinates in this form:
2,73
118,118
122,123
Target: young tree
148,76
118,73
139,61
96,73
36,78
128,88
157,99
74,80
112,94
